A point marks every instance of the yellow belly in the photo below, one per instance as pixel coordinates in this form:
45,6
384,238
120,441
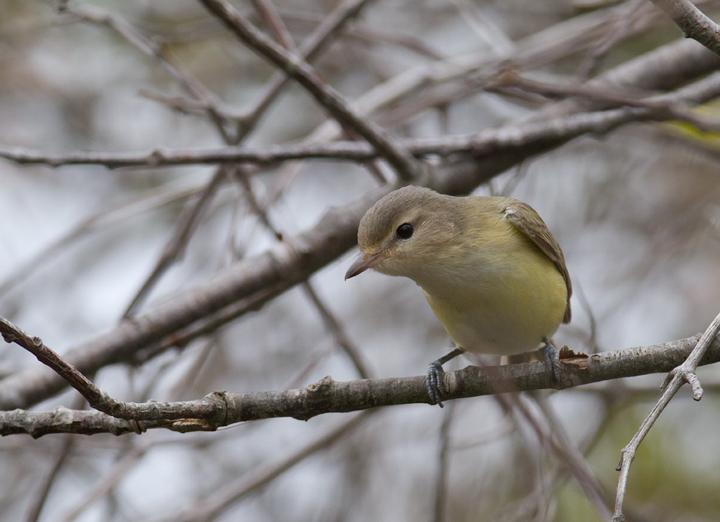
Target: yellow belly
503,312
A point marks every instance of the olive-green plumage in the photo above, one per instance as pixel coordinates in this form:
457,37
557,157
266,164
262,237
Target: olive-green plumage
489,267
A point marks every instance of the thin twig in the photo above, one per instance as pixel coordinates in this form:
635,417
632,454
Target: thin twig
492,35
176,191
673,382
37,505
563,449
310,48
506,138
328,318
620,28
96,397
274,23
119,470
153,49
192,371
374,37
209,324
585,303
572,457
338,332
212,505
693,22
184,227
66,449
297,68
613,97
441,476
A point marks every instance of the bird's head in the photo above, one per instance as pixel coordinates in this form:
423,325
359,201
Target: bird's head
406,231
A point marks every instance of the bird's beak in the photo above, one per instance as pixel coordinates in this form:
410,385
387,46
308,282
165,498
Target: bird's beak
363,262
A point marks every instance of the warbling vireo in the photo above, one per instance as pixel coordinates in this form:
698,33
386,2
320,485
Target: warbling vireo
489,267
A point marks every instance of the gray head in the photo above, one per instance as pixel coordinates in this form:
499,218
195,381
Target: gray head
405,228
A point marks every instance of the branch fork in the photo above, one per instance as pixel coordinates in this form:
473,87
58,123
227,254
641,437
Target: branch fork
676,378
687,374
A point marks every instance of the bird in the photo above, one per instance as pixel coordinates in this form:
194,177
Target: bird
489,267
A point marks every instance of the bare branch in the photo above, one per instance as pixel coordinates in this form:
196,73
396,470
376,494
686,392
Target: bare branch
63,420
441,475
175,246
309,50
693,22
551,86
506,138
38,503
96,397
153,49
175,191
683,373
119,470
215,503
297,68
274,23
328,396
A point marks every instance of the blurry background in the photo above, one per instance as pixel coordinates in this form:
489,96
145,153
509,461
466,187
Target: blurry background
637,214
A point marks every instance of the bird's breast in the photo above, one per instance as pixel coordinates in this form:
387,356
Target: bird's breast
504,305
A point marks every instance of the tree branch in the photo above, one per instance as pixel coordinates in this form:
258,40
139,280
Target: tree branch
154,49
217,501
677,377
97,398
297,68
328,396
693,22
511,137
279,268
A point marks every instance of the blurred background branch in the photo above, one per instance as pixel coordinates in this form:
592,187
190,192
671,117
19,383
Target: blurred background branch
219,249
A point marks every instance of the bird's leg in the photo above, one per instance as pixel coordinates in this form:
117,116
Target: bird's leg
435,372
552,359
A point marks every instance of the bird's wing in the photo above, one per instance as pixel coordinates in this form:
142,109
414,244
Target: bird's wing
527,221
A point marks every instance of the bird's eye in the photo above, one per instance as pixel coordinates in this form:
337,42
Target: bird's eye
404,231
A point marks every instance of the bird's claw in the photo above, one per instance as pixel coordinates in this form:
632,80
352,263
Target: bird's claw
552,359
434,382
